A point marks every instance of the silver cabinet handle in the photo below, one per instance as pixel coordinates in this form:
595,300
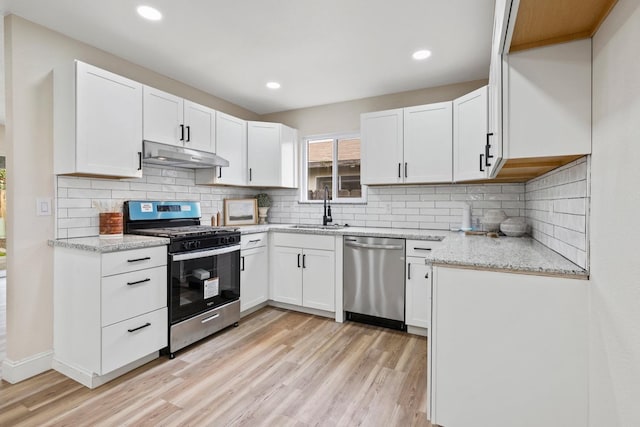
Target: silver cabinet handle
208,319
370,246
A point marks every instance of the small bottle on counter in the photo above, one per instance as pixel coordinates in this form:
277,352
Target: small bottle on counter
218,219
214,220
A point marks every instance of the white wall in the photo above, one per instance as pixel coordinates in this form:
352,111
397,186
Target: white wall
615,208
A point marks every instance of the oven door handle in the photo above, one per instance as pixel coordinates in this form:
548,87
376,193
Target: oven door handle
205,254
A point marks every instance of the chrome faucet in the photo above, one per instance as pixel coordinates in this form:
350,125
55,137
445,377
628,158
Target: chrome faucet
326,217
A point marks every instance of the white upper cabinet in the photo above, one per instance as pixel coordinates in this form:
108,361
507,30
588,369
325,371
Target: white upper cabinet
382,140
470,136
272,155
172,120
548,101
231,144
97,122
407,145
428,153
200,127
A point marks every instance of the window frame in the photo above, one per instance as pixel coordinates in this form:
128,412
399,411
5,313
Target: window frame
304,171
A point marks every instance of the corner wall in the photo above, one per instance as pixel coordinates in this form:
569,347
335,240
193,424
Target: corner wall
615,204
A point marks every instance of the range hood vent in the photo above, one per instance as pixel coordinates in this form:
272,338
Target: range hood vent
155,153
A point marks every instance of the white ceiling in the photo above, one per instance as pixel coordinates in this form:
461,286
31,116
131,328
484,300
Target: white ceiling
320,51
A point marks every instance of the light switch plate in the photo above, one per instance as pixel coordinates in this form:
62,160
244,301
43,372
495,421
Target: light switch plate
43,206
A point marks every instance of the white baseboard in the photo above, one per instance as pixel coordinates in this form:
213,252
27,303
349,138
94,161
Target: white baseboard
423,332
92,380
323,313
14,372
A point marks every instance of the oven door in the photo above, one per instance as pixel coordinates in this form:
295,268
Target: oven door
202,280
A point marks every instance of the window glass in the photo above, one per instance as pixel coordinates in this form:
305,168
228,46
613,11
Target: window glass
349,169
319,168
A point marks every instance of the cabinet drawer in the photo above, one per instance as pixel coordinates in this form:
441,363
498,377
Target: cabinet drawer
311,241
130,294
255,240
421,248
130,340
136,259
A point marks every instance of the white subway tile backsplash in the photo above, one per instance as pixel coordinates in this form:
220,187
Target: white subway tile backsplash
556,208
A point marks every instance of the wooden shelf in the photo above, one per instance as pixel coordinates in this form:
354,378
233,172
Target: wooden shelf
545,22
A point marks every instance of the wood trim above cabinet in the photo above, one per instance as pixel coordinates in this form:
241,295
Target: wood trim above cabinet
546,22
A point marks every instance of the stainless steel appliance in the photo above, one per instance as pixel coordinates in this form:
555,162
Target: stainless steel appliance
374,280
203,268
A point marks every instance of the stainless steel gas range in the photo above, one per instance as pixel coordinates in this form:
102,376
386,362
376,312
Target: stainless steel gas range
203,268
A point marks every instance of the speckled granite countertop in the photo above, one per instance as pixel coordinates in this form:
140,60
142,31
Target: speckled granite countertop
514,254
110,244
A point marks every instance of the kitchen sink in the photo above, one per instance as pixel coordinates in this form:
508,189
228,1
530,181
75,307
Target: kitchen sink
319,226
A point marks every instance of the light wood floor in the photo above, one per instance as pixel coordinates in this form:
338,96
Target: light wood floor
278,368
3,320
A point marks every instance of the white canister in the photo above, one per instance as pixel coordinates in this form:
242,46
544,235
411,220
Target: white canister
466,217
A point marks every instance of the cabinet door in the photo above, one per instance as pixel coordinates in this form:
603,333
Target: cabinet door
254,277
470,136
381,145
494,138
264,155
200,127
108,123
163,117
418,293
286,267
428,143
289,155
318,279
231,144
548,90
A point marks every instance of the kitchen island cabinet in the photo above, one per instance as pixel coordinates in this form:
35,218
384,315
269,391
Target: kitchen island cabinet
508,349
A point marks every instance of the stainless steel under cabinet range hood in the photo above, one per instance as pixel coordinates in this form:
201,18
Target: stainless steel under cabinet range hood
155,153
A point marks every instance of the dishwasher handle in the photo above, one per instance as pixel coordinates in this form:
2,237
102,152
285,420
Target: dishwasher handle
373,246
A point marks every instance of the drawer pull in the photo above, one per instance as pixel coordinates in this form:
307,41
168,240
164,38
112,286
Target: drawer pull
421,249
147,258
255,241
138,282
139,327
208,319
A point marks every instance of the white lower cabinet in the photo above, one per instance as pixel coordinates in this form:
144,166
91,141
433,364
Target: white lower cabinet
508,349
254,271
418,293
303,270
110,311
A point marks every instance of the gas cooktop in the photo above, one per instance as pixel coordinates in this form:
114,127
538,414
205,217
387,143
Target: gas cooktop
185,231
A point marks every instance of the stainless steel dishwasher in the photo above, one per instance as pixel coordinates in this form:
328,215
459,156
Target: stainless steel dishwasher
374,280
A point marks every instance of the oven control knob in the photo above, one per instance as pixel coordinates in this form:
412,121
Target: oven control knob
224,240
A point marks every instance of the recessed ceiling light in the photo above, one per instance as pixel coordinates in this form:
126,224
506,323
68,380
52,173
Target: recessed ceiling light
150,13
419,55
273,85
